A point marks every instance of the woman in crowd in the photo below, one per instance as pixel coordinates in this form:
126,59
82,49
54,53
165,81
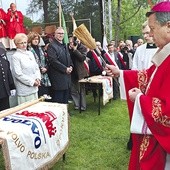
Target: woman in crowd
41,59
25,70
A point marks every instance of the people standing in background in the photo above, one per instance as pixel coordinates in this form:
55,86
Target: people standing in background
3,32
135,46
121,45
114,43
124,53
25,70
95,65
145,52
6,80
14,24
78,54
139,42
41,59
95,62
116,58
114,54
130,52
60,67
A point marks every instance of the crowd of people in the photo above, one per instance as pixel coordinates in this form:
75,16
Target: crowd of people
57,61
56,68
141,68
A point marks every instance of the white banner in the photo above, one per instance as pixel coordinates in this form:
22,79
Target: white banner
107,85
34,137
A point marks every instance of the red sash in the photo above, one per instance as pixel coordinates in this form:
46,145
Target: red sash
86,66
121,59
97,59
108,57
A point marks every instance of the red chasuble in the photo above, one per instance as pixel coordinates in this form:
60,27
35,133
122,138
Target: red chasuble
3,18
149,151
15,23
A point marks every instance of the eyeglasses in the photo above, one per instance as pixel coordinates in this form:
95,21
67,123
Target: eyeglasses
22,43
60,33
36,39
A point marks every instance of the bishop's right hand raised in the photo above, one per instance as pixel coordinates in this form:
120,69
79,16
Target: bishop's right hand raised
112,70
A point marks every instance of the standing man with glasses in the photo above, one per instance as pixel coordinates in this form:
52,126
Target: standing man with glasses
60,67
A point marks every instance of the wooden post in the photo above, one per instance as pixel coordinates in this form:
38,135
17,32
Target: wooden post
19,107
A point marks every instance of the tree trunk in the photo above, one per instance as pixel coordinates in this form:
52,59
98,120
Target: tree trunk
117,20
45,9
101,18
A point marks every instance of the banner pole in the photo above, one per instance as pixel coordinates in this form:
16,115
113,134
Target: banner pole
20,107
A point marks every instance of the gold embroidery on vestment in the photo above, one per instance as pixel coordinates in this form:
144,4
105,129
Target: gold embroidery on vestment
142,80
157,113
144,145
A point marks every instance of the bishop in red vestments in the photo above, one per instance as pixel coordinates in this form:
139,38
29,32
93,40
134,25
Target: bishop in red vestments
14,23
148,96
3,33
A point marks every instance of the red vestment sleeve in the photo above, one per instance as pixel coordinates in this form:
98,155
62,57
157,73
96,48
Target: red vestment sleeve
130,80
3,18
14,24
155,105
149,151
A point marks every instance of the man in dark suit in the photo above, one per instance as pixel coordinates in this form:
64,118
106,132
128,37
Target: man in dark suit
60,67
6,80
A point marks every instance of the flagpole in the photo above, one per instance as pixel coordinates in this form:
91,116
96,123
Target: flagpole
62,23
59,12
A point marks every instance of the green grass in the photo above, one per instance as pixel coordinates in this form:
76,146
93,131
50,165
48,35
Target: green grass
97,142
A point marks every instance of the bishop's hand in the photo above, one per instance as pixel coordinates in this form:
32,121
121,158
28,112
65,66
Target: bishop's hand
112,70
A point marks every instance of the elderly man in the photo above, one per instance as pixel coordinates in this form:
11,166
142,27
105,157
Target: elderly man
148,96
60,67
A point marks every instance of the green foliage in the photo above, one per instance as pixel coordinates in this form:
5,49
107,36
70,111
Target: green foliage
132,15
90,9
53,16
34,6
27,22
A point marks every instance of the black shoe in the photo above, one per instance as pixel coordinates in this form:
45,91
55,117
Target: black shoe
129,145
76,108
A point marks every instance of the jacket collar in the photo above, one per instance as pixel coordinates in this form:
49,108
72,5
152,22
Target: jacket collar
161,55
